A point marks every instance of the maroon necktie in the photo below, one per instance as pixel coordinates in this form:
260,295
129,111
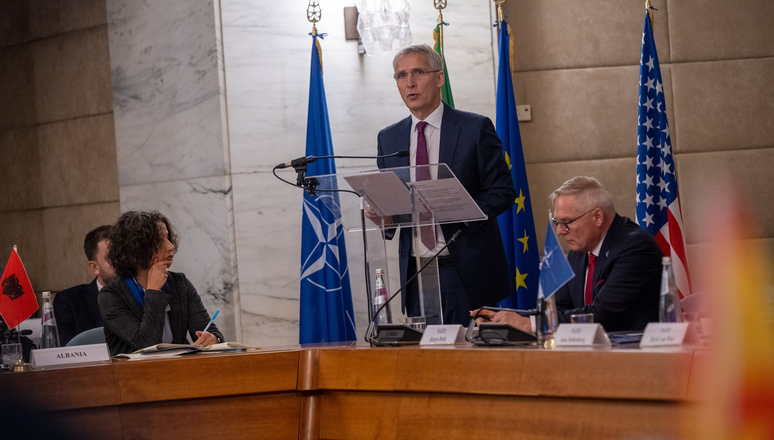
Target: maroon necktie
423,173
590,278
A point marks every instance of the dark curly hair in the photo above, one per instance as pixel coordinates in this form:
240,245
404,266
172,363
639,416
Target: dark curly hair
135,238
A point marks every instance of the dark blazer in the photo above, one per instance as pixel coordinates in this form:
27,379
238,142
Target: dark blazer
76,310
130,327
470,147
627,280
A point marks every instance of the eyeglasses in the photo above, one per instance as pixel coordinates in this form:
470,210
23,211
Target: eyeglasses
566,224
403,76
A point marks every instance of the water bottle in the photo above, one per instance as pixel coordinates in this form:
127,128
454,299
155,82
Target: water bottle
546,320
380,297
49,336
669,309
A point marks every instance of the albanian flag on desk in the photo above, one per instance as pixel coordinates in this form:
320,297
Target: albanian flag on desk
17,301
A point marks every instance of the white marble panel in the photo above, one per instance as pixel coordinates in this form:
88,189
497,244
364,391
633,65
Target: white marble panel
201,212
166,90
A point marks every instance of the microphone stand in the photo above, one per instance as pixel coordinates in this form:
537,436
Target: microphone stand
408,335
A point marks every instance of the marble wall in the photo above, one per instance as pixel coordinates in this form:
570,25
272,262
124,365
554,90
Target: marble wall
172,139
208,97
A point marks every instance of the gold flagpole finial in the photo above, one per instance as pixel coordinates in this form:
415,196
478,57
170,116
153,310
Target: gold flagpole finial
649,8
314,14
440,5
499,4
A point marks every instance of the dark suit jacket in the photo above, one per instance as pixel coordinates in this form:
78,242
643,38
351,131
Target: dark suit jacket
130,327
627,280
470,147
76,310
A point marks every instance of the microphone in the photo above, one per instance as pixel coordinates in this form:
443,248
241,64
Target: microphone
301,161
403,338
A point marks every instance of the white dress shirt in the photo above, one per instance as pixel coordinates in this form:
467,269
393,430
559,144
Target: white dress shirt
433,140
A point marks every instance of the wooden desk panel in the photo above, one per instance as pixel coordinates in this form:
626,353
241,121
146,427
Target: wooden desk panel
355,368
66,388
274,416
87,423
618,374
194,376
404,415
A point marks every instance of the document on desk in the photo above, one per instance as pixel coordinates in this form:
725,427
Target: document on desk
165,350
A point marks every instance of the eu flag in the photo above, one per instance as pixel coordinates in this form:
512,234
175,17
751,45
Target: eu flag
326,297
517,226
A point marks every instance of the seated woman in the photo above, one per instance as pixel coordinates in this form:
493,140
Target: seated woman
148,304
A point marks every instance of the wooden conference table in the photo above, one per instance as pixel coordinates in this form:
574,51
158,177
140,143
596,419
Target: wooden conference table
362,392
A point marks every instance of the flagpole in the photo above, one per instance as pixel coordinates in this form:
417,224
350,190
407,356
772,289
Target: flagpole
649,8
440,5
18,335
499,4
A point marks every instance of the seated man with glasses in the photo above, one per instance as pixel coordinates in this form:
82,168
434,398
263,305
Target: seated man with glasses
622,290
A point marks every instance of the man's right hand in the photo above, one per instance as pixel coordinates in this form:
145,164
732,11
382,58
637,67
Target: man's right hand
376,218
510,318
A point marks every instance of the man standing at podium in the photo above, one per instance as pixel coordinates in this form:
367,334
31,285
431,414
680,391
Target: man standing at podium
473,271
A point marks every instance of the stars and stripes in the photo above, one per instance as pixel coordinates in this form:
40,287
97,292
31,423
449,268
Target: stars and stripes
658,200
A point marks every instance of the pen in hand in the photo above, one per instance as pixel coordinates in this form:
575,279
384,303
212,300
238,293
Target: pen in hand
210,323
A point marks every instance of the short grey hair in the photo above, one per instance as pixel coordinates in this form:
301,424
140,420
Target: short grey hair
590,192
435,60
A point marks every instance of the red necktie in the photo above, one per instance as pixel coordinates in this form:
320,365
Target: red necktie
590,278
423,173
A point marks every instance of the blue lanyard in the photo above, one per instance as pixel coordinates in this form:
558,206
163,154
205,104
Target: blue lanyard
138,291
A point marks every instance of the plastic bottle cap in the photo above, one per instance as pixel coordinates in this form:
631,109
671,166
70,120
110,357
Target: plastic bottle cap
46,294
379,272
666,260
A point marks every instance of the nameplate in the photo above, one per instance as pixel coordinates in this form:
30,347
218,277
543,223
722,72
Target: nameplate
665,334
581,335
69,356
443,335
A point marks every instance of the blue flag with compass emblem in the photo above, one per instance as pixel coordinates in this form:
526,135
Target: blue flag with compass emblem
555,271
326,313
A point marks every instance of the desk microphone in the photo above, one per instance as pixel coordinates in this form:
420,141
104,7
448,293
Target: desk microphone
301,161
413,338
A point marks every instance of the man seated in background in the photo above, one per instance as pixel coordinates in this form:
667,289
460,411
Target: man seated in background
622,290
76,309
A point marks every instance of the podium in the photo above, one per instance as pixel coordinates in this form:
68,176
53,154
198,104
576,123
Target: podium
390,199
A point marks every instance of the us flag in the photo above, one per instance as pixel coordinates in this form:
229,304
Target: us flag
658,201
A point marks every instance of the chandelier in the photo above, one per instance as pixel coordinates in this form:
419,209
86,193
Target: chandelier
383,25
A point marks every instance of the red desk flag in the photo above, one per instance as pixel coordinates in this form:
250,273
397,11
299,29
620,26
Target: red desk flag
17,301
